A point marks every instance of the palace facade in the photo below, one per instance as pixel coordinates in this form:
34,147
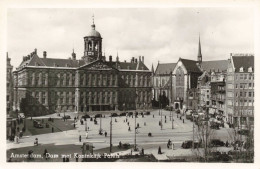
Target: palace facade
48,85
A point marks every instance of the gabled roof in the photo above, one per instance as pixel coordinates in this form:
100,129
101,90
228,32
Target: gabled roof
215,65
49,62
191,65
243,61
128,65
164,68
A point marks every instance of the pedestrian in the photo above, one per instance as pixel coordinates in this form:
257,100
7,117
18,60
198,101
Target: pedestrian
168,145
142,151
64,160
165,120
79,138
165,117
52,129
144,123
227,143
105,134
159,150
86,135
36,142
183,120
74,125
153,115
128,123
67,159
172,146
45,154
129,129
120,144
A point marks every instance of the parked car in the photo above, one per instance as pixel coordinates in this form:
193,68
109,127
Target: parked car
98,115
86,116
130,113
114,115
147,113
122,114
243,132
37,124
216,143
189,143
66,117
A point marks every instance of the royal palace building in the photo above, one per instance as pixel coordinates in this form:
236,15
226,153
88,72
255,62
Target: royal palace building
92,83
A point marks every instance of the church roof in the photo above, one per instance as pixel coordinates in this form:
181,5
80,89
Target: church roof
191,65
215,65
164,68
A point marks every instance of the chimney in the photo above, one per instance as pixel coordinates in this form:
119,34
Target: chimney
44,54
110,58
143,59
139,58
35,51
125,61
135,60
24,58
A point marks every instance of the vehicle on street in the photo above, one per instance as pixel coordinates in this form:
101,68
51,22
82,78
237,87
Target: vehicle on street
189,143
114,115
243,132
147,113
86,116
66,117
98,115
122,114
37,124
216,143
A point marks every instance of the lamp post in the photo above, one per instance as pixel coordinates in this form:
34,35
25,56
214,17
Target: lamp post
111,134
135,133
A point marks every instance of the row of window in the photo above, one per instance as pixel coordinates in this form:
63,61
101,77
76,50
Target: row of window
244,76
245,94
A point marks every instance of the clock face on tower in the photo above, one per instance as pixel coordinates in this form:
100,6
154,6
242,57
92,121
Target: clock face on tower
90,53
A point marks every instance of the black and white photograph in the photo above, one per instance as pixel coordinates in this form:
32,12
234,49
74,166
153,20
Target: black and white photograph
172,84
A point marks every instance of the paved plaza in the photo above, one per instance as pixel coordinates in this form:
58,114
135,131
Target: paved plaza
147,124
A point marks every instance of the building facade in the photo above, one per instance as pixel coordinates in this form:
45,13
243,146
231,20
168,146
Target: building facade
89,84
240,90
9,85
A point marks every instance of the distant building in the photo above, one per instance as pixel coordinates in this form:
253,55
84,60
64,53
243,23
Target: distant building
240,90
89,84
162,83
218,95
9,85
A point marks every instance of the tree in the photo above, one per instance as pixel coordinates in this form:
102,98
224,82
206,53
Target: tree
204,134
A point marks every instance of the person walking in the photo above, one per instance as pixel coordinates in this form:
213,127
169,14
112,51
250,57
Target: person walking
183,120
86,135
52,129
45,154
159,150
79,138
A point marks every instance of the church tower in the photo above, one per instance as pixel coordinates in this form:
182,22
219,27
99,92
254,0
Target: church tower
92,45
199,53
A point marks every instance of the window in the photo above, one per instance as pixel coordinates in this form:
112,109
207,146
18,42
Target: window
250,69
241,69
245,76
245,94
241,76
236,86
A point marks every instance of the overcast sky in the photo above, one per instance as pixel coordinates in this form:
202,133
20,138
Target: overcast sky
163,34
